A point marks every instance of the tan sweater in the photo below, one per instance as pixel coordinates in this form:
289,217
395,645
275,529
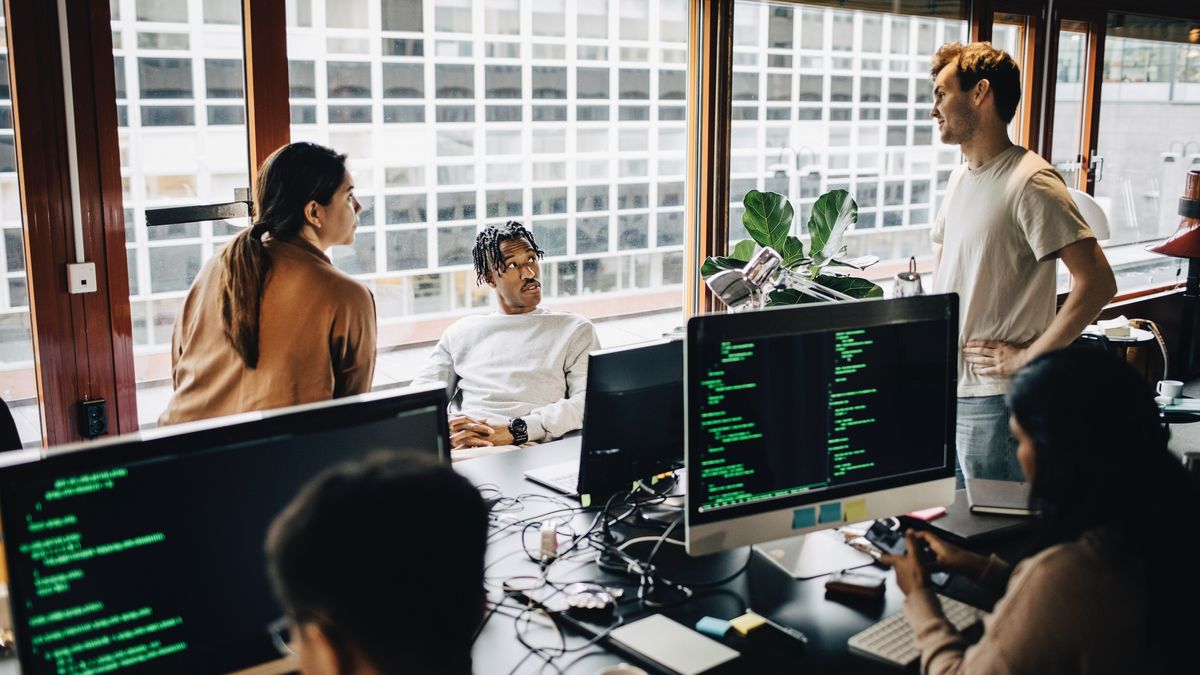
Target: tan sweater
1077,607
316,340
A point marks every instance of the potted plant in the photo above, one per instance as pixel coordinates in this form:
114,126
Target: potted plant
768,218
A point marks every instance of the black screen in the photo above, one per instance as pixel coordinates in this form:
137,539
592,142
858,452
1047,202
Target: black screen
633,416
156,564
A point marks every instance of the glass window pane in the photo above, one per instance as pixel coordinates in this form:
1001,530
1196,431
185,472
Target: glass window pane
223,78
832,139
1149,117
174,11
165,78
402,15
458,114
187,145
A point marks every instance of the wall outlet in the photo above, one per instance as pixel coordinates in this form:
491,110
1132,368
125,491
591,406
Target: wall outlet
93,418
81,277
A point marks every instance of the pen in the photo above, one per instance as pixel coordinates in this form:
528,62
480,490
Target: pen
787,630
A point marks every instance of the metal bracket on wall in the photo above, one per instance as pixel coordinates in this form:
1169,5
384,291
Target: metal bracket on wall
174,215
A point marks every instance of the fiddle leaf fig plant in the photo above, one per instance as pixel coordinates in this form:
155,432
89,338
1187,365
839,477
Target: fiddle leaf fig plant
768,219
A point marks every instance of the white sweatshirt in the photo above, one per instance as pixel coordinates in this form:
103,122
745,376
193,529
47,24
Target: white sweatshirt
500,366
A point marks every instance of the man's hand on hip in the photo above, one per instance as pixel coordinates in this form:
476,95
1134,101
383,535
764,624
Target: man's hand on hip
995,358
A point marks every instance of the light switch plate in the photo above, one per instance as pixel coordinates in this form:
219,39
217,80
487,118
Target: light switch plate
81,277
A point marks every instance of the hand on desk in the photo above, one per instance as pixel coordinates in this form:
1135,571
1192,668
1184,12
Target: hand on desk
912,568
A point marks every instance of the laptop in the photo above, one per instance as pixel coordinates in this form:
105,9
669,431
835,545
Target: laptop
1002,497
632,422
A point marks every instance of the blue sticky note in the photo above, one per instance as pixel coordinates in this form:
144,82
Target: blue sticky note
711,625
831,513
805,517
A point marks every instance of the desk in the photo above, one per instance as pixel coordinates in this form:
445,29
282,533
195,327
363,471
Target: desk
763,587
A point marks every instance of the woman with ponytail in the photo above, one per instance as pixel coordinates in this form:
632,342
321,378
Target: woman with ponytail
269,322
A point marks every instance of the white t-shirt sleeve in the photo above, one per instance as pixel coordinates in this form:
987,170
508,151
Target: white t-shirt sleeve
1048,216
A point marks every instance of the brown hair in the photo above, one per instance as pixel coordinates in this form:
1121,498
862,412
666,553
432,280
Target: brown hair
977,61
291,177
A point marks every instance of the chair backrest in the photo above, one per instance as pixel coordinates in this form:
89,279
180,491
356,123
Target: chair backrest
9,438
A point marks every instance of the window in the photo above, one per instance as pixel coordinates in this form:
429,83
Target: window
1149,124
182,141
834,136
565,116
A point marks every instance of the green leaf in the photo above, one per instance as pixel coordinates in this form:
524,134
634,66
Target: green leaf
852,286
834,212
743,250
713,265
768,217
792,251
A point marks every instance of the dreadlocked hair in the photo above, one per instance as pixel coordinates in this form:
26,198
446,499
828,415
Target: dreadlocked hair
487,253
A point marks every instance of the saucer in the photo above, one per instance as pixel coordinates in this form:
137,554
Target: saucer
1166,400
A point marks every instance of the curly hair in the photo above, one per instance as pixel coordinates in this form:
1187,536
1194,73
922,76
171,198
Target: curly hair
977,61
487,252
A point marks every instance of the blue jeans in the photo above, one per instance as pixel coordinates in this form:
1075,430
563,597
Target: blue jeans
986,447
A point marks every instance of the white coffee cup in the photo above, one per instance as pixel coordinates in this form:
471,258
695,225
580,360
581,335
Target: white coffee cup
1169,388
621,669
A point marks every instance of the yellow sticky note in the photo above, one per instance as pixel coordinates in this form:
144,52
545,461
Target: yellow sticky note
856,510
747,622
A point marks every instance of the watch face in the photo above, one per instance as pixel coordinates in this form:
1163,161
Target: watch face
517,426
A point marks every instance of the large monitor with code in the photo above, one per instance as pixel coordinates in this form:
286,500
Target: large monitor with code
145,553
808,417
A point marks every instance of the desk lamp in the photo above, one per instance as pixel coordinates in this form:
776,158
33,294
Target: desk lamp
763,273
1185,243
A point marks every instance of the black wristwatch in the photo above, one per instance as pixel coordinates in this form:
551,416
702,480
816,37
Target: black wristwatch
519,431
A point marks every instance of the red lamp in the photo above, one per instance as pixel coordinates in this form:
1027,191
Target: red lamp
1185,243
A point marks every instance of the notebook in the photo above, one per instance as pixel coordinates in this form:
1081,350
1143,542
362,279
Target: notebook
1004,497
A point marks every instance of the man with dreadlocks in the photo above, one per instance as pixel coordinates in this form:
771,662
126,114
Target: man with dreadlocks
517,374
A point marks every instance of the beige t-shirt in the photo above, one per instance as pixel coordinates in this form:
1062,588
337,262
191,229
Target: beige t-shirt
1001,227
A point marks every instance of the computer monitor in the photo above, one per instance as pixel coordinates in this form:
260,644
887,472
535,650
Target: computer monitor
145,554
808,417
633,416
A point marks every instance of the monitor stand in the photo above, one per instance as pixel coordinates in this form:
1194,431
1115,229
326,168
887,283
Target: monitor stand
814,554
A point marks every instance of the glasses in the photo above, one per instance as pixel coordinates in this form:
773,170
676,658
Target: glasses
281,636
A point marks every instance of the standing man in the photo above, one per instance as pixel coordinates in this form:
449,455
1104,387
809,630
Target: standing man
1005,219
520,373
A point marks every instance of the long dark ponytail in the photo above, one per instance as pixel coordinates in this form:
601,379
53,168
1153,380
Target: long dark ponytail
1101,461
291,177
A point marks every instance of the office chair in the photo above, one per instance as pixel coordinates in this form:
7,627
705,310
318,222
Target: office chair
9,438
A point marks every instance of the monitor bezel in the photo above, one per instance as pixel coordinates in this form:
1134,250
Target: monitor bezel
804,319
199,436
604,486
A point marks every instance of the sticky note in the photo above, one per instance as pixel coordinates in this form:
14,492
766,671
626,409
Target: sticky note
856,510
805,517
711,625
747,622
585,500
831,513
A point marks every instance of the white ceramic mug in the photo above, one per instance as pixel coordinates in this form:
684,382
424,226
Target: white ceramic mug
1169,388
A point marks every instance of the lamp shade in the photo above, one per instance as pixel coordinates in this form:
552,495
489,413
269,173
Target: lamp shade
1185,243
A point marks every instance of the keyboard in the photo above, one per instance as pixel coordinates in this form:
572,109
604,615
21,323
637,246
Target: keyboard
563,477
891,640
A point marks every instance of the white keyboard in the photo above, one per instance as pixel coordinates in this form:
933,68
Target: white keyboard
563,477
891,640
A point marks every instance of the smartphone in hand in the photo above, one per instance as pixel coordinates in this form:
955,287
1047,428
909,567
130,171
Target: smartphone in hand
890,540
